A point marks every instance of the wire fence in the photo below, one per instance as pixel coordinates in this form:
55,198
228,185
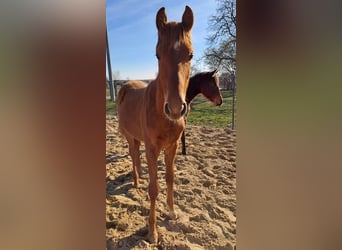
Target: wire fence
224,85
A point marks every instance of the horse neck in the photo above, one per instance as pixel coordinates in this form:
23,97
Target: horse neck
194,89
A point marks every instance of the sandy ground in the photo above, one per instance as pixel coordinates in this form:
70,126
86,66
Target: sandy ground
205,194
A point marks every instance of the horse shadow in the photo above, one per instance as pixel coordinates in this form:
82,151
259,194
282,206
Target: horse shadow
139,238
136,239
113,157
120,185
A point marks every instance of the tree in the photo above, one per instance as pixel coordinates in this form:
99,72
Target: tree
194,69
221,51
116,75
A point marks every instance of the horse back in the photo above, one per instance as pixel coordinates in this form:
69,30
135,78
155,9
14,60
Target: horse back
132,87
129,103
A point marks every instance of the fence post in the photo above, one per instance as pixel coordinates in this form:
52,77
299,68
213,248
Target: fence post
233,106
112,98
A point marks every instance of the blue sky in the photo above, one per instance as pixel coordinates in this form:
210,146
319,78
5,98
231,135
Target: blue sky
132,33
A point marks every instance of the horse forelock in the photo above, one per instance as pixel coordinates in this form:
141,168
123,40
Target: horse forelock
173,35
213,79
206,83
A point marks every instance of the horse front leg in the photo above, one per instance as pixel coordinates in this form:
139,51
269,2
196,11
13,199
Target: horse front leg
152,154
170,154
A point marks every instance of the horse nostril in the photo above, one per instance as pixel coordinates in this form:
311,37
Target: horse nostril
184,108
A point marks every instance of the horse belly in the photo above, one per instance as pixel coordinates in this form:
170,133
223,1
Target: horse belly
131,129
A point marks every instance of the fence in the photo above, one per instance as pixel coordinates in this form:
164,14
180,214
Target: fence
117,85
225,84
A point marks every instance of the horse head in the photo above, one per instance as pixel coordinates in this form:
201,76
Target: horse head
211,90
174,52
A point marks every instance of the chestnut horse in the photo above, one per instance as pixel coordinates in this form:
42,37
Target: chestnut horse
207,84
154,113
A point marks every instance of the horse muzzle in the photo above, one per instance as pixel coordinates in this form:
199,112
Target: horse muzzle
175,113
217,101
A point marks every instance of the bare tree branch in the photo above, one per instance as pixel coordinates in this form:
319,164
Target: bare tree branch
221,51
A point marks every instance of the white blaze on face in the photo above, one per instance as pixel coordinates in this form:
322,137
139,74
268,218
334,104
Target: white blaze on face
176,45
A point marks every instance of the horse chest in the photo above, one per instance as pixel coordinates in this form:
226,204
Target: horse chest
165,134
169,135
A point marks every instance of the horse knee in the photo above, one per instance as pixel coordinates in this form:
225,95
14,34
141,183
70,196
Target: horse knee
153,191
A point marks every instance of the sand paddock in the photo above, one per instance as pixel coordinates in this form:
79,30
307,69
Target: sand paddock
205,193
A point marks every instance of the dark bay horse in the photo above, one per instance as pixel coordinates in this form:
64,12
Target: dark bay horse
154,113
207,84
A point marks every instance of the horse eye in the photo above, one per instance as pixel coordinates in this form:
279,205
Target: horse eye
157,56
191,56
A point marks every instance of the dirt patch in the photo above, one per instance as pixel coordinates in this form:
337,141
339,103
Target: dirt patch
205,194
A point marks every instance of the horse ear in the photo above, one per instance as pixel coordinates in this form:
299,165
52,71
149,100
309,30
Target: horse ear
161,18
214,72
187,19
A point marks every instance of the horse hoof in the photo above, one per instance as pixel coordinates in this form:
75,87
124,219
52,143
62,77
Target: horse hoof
173,215
153,237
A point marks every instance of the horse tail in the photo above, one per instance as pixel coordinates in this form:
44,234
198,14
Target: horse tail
119,100
121,94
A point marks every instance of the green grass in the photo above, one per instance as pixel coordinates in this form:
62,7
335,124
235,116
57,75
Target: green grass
202,111
110,107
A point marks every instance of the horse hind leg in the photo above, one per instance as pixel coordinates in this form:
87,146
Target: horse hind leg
183,138
133,146
170,154
137,158
183,143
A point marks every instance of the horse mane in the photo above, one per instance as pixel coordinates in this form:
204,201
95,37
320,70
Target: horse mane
202,74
